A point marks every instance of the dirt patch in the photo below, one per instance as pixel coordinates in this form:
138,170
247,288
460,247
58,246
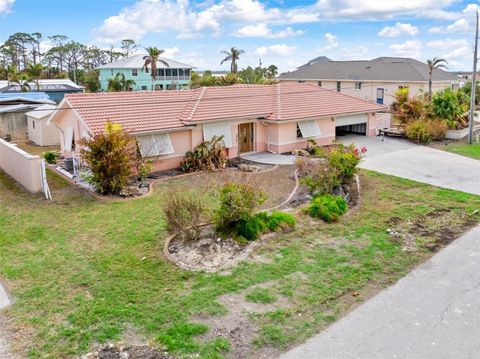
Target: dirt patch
238,328
432,230
130,352
210,253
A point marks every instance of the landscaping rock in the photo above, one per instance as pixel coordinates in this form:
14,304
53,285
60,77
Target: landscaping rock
131,191
249,168
302,153
132,352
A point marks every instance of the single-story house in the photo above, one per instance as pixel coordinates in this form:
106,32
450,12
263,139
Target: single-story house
374,80
54,88
39,131
13,106
277,118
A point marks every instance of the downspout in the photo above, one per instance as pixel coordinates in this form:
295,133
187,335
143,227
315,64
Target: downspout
269,136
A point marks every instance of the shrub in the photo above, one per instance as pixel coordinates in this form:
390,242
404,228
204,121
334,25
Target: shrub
344,161
184,214
110,157
327,207
425,131
249,228
338,167
451,106
238,202
144,169
406,109
50,157
279,220
207,156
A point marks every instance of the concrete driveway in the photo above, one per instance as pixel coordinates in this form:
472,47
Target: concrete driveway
401,158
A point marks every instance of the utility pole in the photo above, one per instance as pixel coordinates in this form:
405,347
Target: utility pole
474,86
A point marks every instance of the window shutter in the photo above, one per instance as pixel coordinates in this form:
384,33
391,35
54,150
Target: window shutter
155,145
309,129
218,129
68,139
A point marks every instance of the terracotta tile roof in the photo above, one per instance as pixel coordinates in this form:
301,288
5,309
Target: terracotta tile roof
150,111
135,111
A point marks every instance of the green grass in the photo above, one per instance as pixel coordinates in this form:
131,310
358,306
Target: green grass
82,271
260,295
464,149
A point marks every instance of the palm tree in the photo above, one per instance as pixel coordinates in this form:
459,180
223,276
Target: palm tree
151,59
435,63
34,72
233,56
119,83
24,82
272,71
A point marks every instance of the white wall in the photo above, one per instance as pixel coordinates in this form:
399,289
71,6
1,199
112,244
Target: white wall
21,166
43,134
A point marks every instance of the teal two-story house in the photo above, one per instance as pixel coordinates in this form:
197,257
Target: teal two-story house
175,76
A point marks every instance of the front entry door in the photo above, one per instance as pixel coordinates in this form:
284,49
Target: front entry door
245,137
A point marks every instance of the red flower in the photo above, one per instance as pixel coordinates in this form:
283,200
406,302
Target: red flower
364,149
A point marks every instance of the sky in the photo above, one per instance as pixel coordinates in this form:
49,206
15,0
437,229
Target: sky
281,32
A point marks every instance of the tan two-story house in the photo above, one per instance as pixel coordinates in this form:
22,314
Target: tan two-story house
375,80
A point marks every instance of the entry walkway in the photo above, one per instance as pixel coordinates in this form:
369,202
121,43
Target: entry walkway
268,158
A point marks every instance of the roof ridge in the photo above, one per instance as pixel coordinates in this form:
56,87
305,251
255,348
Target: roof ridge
189,111
278,101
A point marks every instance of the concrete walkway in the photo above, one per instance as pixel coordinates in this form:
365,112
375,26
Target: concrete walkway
401,158
433,312
4,302
268,158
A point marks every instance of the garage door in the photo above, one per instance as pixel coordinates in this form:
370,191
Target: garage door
353,124
351,120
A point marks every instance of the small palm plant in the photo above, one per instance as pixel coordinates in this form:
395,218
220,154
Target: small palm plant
233,56
151,60
435,63
119,83
34,72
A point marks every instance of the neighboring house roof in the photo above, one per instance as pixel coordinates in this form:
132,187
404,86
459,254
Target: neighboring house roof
15,98
46,85
18,108
137,62
317,60
380,69
163,110
41,112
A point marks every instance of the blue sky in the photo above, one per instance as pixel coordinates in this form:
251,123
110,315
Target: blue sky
286,33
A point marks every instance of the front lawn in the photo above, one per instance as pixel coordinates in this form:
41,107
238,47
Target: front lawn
462,148
84,271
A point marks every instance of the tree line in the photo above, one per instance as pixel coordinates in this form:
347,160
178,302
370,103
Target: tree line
65,58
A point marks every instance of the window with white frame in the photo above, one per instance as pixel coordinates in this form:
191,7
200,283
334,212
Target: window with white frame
218,129
308,129
156,144
358,85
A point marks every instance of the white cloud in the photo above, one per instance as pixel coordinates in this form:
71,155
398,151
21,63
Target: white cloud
461,25
398,30
410,48
171,52
188,18
446,43
459,52
6,5
384,9
262,30
331,42
276,50
354,53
